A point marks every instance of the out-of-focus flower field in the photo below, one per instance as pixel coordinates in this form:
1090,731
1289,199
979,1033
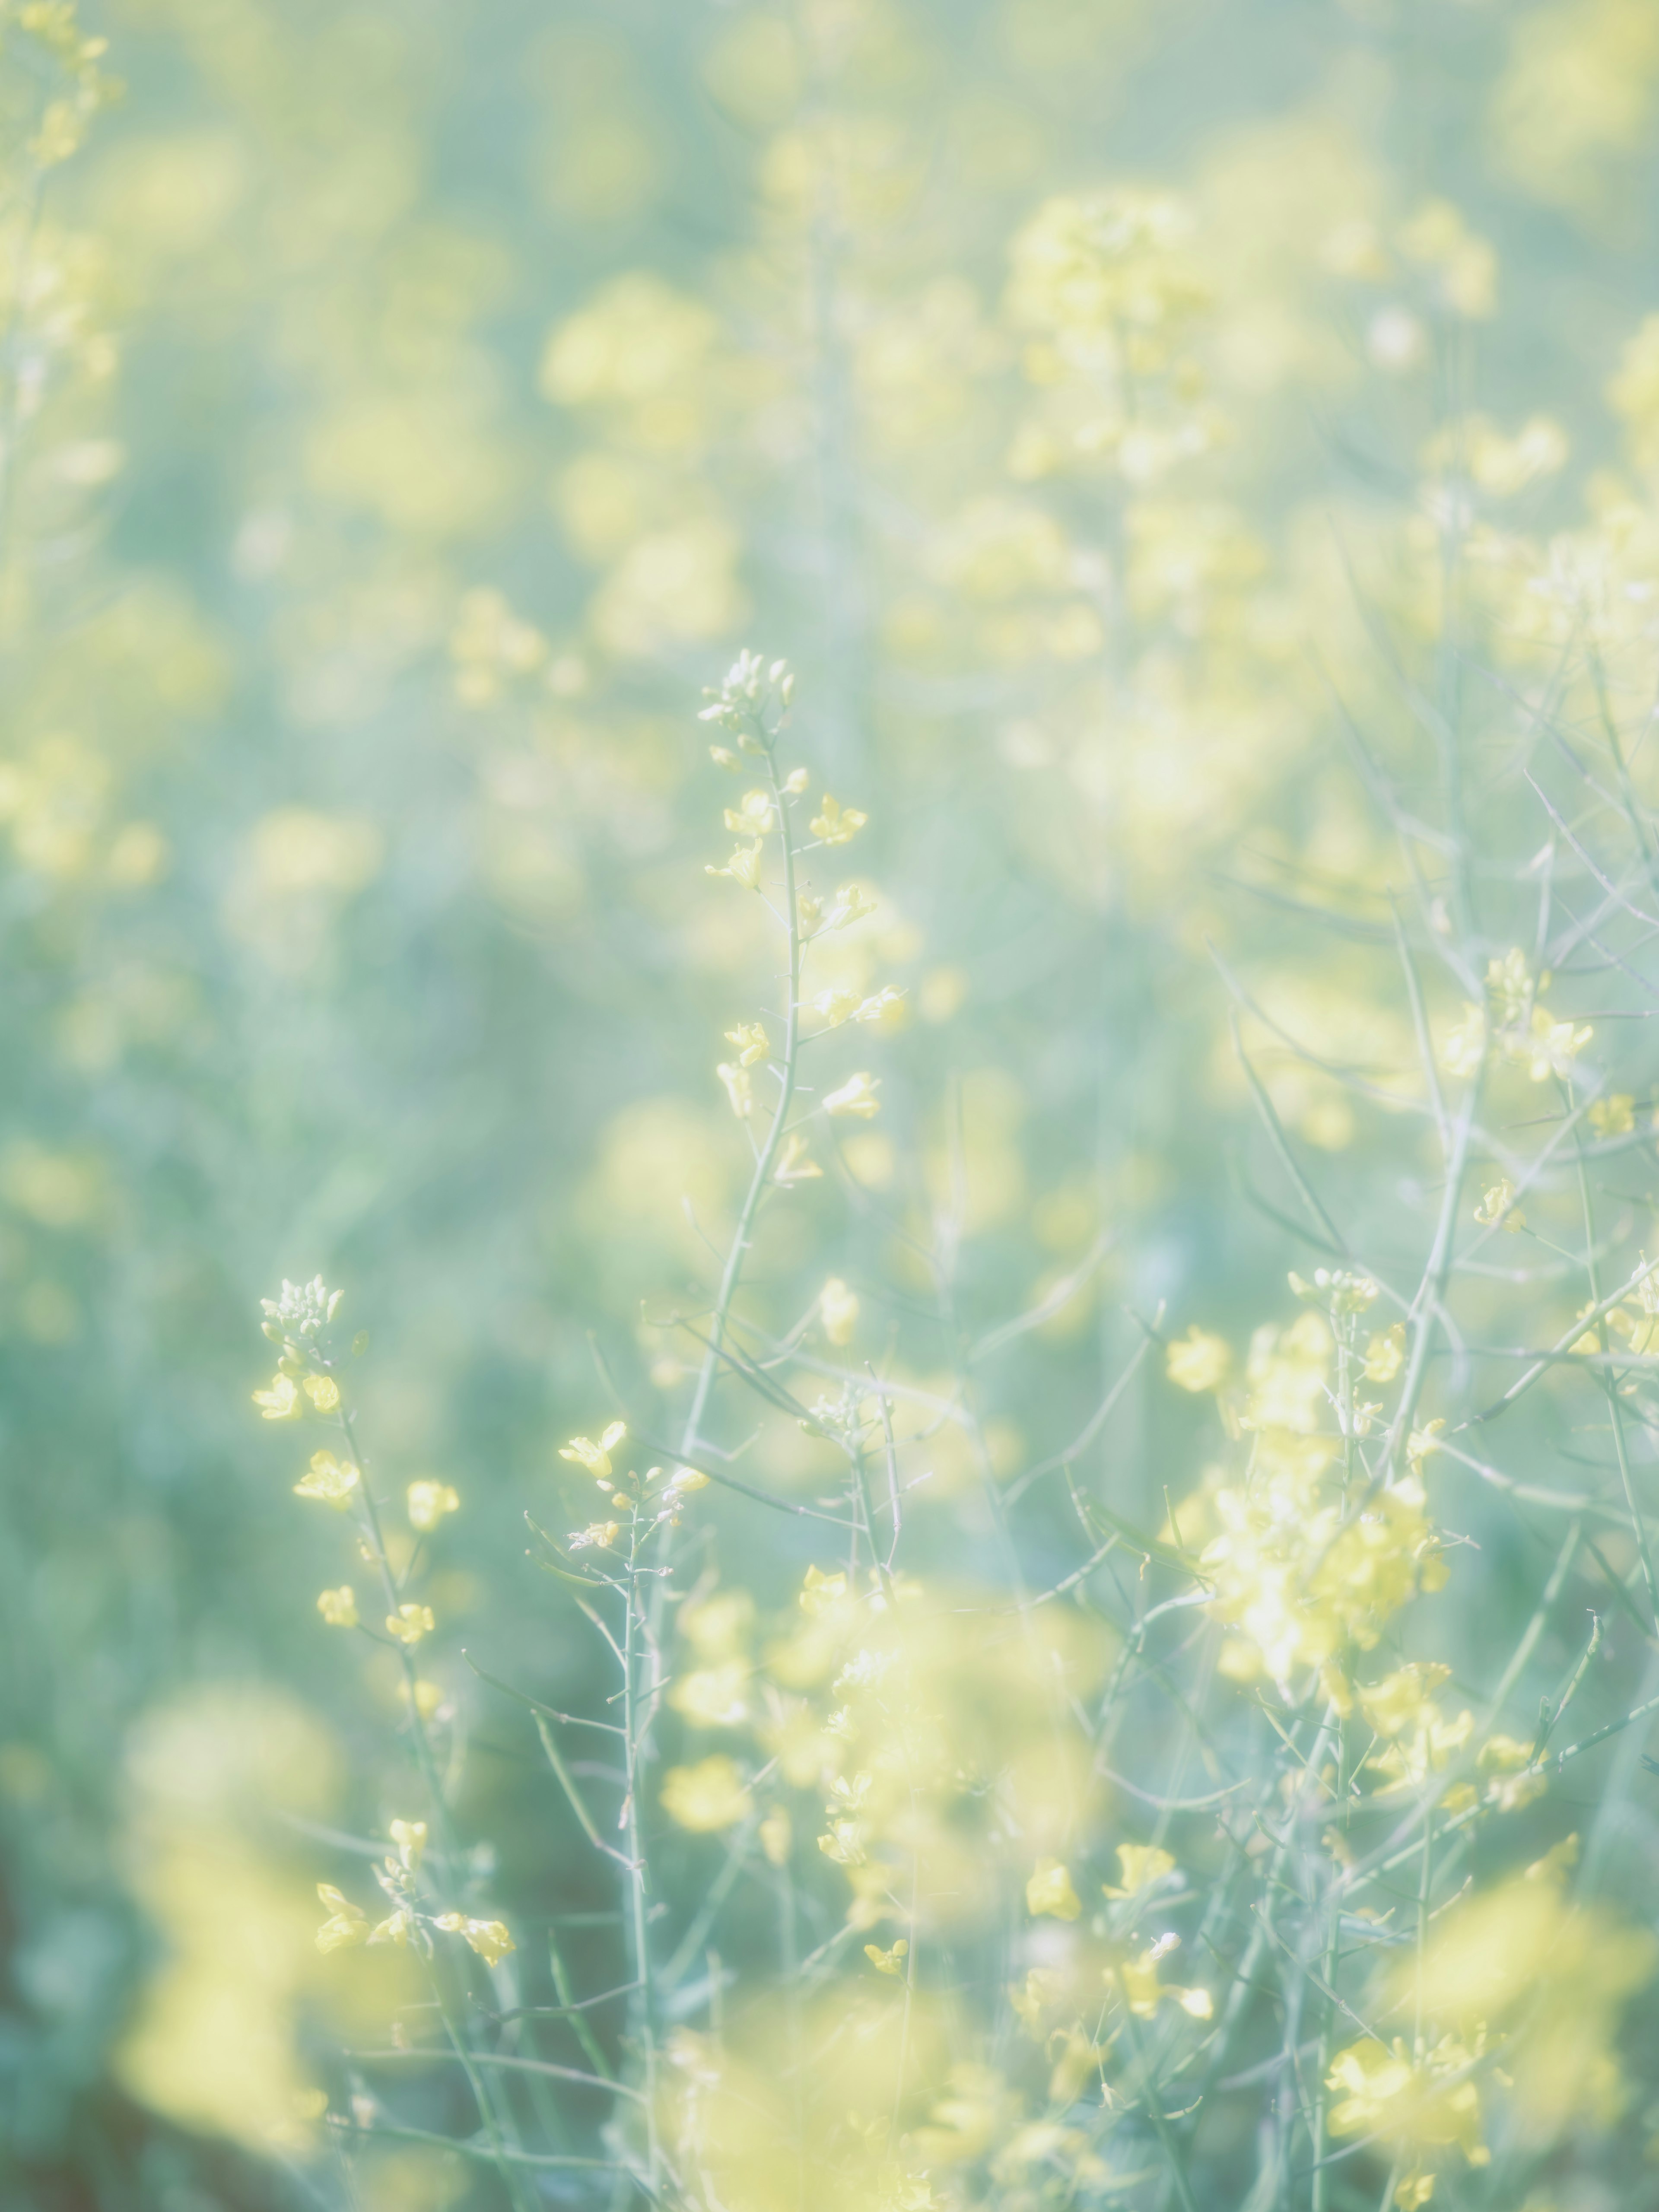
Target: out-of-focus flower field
865,790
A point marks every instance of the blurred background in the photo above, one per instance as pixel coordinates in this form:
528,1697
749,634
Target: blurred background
404,411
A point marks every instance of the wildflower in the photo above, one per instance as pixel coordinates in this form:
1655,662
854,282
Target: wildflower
1385,1354
598,1536
346,1925
1049,1890
410,1623
1463,1050
410,1836
396,1928
843,1842
753,816
1550,1048
856,1095
744,868
280,1402
332,1480
1198,1361
1141,1865
322,1391
752,1040
338,1606
738,1089
848,905
1401,1708
303,1310
836,1006
488,1938
796,781
1497,1205
838,1308
836,826
428,1503
1421,1441
708,1797
888,1962
595,1457
819,1592
795,1162
1411,2104
1613,1115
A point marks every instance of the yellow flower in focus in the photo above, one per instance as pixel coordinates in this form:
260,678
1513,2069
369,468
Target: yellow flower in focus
332,1480
1613,1115
338,1606
836,825
838,1308
488,1938
708,1797
738,1089
752,1040
322,1391
1049,1890
1199,1361
856,1095
428,1503
282,1402
595,1457
346,1925
410,1623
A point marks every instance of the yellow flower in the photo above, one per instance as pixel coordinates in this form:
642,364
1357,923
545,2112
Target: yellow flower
410,1836
280,1402
1199,1361
322,1391
395,1928
888,1962
1614,1115
410,1623
598,1535
753,815
488,1938
332,1480
346,1923
1498,1204
1385,1355
338,1606
595,1457
795,1162
708,1797
821,1593
1409,2103
1049,1890
752,1040
856,1095
429,1502
836,1006
839,1309
848,905
739,1088
744,868
836,825
1141,1865
1421,1441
